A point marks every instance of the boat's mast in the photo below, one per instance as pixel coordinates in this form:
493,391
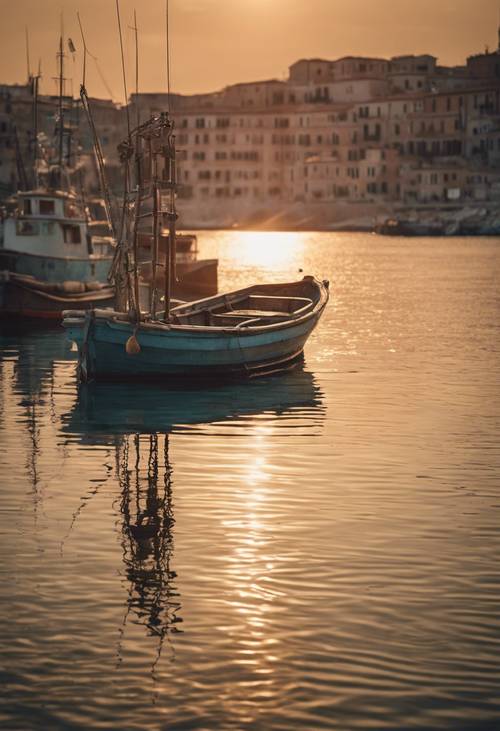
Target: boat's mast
34,81
137,218
138,120
171,217
21,172
171,214
61,112
156,230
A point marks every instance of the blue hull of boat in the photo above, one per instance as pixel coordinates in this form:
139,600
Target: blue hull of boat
56,269
183,354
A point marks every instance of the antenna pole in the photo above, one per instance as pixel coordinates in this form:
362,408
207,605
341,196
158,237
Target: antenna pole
28,53
167,28
123,65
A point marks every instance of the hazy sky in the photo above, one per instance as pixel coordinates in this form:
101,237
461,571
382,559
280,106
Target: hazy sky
219,42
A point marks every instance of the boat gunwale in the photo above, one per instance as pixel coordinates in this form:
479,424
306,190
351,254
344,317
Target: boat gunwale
90,295
114,321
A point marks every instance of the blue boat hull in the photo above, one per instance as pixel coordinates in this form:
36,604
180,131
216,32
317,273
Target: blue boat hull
56,269
179,354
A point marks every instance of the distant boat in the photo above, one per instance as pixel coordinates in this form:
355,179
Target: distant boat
248,332
406,227
194,277
50,258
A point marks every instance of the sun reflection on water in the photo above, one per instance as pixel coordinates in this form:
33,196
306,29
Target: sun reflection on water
268,249
251,565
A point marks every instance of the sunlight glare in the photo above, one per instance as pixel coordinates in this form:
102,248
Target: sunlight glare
270,250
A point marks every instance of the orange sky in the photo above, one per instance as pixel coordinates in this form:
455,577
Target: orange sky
219,42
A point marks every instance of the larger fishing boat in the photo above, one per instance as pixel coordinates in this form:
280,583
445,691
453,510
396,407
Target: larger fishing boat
50,256
249,332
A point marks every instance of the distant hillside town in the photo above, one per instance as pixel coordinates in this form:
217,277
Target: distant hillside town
339,144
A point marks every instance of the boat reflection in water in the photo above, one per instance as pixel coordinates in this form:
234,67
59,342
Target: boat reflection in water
139,423
147,537
137,427
114,408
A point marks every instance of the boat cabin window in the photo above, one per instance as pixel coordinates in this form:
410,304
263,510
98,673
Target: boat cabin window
27,228
27,206
71,234
46,208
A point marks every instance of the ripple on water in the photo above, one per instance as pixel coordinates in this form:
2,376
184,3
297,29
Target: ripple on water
318,550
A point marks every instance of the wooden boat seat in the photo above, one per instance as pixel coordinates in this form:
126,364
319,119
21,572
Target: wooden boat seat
240,317
279,303
257,309
256,313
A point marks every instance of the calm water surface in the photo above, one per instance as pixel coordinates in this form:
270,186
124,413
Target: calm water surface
318,550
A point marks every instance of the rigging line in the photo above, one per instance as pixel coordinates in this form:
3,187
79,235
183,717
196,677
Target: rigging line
95,59
84,49
123,65
99,157
102,77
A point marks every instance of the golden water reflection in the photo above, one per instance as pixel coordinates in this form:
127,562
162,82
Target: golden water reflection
252,562
268,250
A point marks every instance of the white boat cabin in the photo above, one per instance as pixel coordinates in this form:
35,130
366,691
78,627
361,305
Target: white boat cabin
53,224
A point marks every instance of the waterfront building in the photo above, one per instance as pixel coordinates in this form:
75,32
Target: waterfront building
333,139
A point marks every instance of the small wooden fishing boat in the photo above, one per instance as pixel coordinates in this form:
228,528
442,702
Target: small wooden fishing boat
251,331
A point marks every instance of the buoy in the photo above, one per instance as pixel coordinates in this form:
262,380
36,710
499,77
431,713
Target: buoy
132,346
